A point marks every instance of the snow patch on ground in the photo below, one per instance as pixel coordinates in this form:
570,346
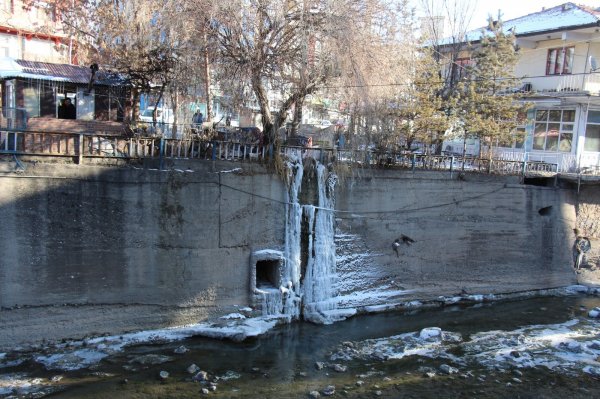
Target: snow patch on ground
430,342
573,346
24,386
82,354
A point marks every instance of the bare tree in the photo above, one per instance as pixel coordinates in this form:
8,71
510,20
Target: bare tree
445,28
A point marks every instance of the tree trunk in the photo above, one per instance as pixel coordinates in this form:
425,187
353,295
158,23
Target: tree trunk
135,105
160,96
209,114
174,106
297,117
265,111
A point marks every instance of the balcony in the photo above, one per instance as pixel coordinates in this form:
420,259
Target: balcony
564,85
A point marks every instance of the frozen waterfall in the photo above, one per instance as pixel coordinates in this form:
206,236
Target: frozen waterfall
308,274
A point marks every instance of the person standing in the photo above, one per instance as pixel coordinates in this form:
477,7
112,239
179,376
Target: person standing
70,111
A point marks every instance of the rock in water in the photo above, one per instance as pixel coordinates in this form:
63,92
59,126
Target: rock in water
329,390
193,369
181,350
444,368
201,376
431,333
339,368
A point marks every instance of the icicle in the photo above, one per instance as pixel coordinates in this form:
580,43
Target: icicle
316,294
319,282
271,301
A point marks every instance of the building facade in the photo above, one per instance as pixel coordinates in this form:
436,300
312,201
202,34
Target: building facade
33,30
559,68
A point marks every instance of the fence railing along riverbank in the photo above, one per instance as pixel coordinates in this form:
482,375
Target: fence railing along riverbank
80,146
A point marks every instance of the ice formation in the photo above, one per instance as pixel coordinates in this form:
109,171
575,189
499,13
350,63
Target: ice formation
311,294
318,286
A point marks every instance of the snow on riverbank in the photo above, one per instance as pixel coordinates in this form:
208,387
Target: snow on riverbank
569,347
76,355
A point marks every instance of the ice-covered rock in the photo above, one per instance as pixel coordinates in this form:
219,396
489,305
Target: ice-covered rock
340,368
446,369
180,350
431,333
200,376
595,371
233,316
594,313
193,369
329,390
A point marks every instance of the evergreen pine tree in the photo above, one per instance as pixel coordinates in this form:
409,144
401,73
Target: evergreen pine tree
421,113
488,100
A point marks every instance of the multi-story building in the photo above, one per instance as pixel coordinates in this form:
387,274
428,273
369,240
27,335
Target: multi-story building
33,31
559,66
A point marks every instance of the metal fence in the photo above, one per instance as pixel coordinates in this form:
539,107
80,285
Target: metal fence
98,146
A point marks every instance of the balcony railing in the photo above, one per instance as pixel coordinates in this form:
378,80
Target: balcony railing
588,83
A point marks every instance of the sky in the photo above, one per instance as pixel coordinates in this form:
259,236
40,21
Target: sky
516,8
482,8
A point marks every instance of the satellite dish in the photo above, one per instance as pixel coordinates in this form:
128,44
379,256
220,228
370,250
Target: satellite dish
593,64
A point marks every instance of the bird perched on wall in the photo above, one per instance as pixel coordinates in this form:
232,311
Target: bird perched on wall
403,239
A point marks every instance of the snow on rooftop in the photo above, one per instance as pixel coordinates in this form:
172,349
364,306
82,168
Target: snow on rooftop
564,16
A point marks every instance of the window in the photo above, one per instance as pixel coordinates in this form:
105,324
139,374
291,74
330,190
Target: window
560,61
460,67
553,130
592,132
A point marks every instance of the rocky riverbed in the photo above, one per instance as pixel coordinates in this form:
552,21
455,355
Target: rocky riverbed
537,347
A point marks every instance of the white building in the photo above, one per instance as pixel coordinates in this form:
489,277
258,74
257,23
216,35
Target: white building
559,65
34,31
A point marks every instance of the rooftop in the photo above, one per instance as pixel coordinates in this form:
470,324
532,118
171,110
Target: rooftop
562,17
11,68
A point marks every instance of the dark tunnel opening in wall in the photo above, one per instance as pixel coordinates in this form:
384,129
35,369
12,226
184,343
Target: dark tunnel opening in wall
268,273
545,211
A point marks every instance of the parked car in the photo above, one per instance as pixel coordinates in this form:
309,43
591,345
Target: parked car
299,141
162,115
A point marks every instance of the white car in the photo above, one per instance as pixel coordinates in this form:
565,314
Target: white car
162,115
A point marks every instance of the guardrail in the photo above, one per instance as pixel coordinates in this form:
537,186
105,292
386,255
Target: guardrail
97,146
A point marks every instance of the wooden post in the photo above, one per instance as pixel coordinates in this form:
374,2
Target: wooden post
80,150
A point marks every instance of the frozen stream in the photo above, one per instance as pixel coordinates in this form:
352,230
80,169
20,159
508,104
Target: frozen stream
539,347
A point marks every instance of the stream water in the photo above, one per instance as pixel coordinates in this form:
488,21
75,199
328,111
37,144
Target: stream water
539,347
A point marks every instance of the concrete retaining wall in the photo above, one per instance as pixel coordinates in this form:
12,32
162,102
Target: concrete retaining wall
480,234
175,245
93,250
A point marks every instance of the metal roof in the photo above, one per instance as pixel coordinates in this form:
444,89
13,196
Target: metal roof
567,16
10,68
